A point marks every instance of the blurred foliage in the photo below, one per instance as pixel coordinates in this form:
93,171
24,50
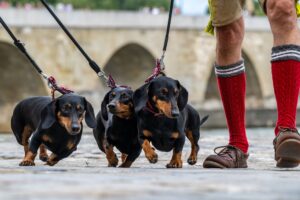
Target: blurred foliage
258,11
104,4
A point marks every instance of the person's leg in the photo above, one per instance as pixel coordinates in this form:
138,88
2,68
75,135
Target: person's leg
230,72
286,79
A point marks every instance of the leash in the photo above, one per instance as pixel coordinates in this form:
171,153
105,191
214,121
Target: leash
110,82
160,65
51,82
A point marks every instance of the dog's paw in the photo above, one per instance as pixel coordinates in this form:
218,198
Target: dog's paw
27,163
112,165
51,163
192,160
153,157
125,165
174,164
44,157
113,162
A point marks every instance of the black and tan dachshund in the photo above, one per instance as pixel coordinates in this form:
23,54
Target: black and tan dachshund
54,125
117,127
165,119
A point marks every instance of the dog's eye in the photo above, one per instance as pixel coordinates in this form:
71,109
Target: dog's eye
66,108
80,109
164,92
176,92
123,96
112,95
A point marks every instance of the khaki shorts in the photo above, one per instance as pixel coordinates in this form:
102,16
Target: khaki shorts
224,12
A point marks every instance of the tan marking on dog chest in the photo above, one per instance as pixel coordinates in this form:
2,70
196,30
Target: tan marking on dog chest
175,135
46,138
70,145
147,133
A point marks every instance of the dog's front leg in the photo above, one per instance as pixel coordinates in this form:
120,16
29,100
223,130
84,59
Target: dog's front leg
131,158
176,161
111,156
30,155
147,148
52,160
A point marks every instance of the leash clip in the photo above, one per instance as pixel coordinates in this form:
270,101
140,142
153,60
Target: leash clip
162,63
102,74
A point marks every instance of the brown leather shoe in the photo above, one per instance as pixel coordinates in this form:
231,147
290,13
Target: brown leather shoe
287,148
228,157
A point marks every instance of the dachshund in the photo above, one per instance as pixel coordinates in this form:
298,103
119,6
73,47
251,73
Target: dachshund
164,118
117,127
56,125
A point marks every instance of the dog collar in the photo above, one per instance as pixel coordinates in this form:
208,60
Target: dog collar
150,109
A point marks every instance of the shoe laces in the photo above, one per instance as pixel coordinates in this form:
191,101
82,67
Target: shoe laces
287,129
227,151
283,130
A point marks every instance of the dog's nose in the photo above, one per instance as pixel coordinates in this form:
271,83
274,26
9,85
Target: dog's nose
175,113
75,128
111,106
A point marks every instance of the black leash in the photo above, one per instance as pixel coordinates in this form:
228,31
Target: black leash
50,80
168,29
109,80
160,65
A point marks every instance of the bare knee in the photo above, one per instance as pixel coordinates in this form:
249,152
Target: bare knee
282,13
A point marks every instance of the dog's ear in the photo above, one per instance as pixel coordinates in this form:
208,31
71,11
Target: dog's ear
140,97
90,119
48,115
182,97
104,112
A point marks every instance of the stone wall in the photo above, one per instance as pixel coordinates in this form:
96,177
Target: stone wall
126,45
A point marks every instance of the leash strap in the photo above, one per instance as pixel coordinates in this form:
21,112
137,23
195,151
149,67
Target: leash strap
108,79
160,65
20,46
50,80
168,27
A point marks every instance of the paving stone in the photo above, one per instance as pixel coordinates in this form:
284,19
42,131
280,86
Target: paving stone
84,175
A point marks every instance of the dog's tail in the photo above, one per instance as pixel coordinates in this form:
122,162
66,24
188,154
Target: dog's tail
17,125
17,130
203,120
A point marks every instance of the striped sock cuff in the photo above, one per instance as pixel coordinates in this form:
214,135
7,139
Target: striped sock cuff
230,70
285,52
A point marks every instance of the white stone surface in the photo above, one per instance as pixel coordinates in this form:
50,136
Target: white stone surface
85,176
112,19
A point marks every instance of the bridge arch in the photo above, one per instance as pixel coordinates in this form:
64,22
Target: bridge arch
18,80
254,96
131,65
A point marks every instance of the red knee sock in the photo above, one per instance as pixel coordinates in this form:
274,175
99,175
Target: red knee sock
286,81
232,87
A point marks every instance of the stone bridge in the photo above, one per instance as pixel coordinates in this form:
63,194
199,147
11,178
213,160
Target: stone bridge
126,46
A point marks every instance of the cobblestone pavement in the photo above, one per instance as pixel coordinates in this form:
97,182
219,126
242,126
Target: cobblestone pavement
85,176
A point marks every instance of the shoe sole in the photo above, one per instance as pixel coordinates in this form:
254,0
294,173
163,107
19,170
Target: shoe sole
288,153
286,164
212,164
